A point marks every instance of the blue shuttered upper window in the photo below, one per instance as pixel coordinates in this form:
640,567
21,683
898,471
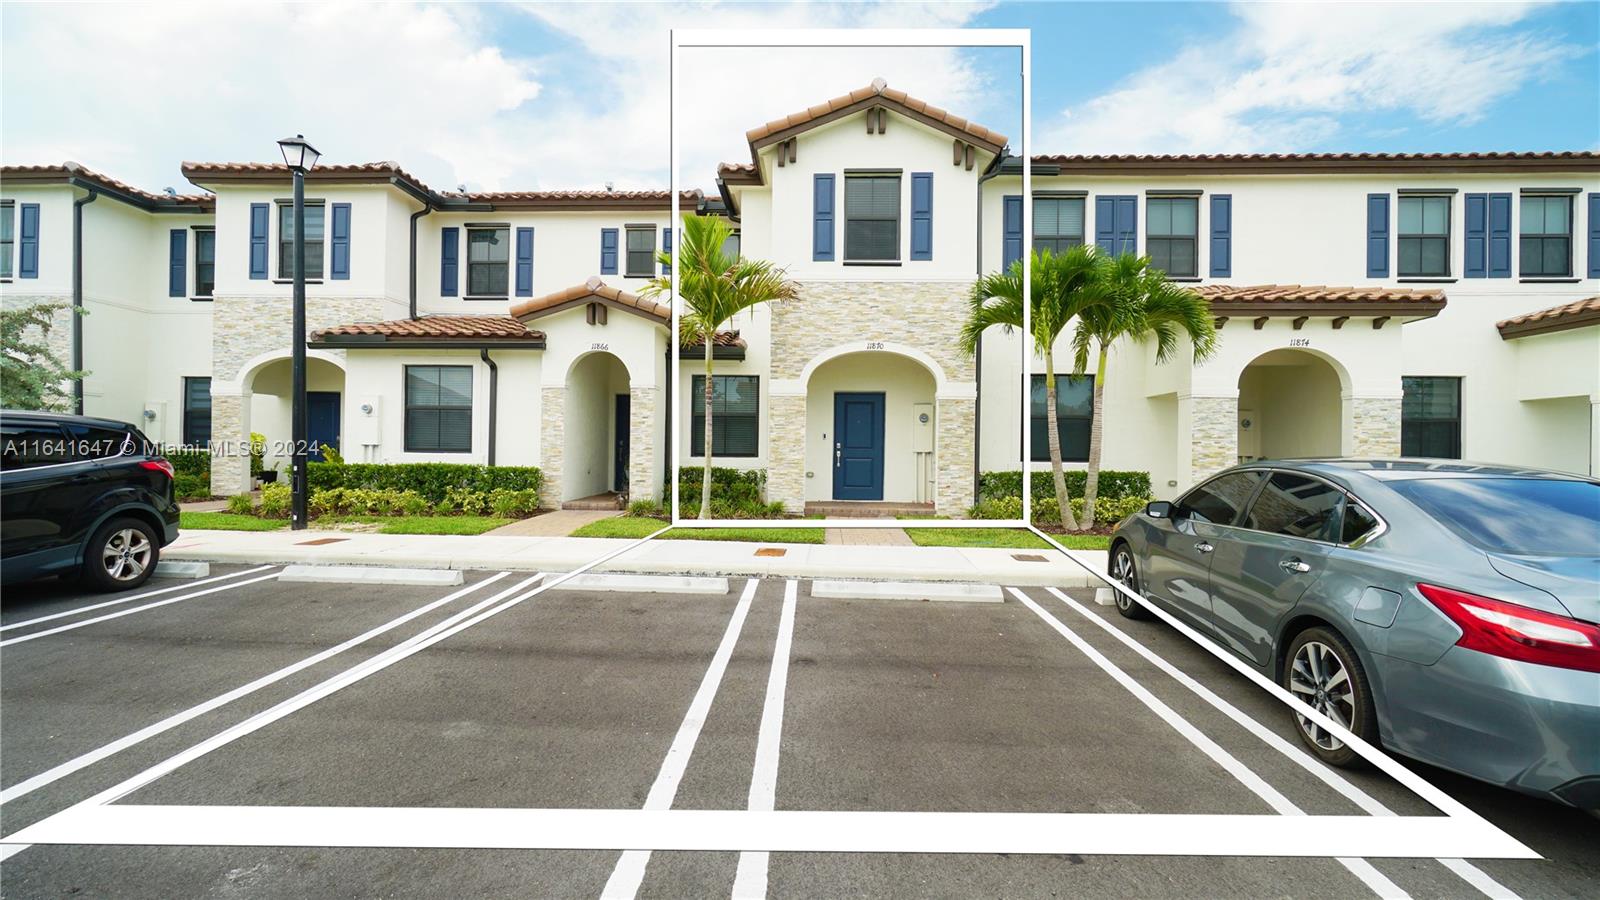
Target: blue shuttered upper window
449,262
608,251
1010,231
339,243
822,203
1594,235
259,218
666,247
1221,236
1377,235
177,260
922,215
524,262
28,242
1499,235
1116,224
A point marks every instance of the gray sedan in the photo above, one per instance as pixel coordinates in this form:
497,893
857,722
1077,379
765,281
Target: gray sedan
1445,610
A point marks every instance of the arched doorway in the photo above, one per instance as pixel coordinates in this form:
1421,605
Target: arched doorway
1291,404
596,442
873,420
269,388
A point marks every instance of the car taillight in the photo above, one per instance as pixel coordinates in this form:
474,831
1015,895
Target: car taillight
157,465
1518,632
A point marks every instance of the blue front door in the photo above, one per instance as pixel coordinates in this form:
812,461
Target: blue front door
857,446
322,422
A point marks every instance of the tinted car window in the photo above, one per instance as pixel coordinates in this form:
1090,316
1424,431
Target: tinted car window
98,442
1357,522
1534,517
1220,500
1297,506
26,446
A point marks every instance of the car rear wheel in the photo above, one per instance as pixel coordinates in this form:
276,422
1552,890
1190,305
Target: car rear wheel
1125,571
1322,671
122,554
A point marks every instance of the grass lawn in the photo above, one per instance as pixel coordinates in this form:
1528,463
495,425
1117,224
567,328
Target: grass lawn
1014,538
1084,541
222,521
631,527
423,524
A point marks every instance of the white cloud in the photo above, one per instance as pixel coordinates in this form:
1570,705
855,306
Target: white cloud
1289,75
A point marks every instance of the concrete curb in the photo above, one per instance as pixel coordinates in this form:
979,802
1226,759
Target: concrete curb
176,568
907,590
324,574
653,584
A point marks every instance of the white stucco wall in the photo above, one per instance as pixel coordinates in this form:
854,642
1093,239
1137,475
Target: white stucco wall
903,383
377,377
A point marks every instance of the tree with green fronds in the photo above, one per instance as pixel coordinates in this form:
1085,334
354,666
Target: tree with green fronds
1143,304
714,286
1062,287
30,375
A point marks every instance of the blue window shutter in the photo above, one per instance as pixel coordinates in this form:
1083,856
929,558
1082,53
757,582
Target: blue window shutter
822,218
1127,225
1377,235
258,240
1116,224
921,215
608,251
1499,235
177,256
1105,224
1477,232
666,247
524,262
449,262
339,243
28,242
1010,231
1221,235
1594,235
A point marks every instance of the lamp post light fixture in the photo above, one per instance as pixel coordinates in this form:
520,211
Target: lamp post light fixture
299,156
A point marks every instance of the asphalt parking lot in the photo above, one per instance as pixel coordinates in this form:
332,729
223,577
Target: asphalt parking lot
637,699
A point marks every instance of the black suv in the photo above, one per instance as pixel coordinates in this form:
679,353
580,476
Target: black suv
85,496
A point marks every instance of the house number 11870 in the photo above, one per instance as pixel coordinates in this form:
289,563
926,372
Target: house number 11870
874,345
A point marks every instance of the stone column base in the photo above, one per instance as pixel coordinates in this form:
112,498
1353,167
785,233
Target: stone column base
643,480
1213,435
552,443
1375,426
786,451
953,488
230,439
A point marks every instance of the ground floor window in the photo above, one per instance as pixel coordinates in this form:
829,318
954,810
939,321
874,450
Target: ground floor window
1074,413
735,415
1430,417
438,409
196,412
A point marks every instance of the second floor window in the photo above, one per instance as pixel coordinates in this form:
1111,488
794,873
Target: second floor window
1057,223
1172,241
314,233
7,237
872,218
488,262
1424,237
205,262
641,251
1546,239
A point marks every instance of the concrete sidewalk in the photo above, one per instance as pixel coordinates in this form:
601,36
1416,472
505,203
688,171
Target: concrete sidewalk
561,554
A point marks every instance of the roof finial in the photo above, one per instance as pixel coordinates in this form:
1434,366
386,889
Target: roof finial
594,283
878,85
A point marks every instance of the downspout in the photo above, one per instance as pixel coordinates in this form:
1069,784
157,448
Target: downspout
77,297
672,424
483,353
977,403
427,207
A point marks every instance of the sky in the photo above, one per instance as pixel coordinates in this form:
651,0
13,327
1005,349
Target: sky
566,96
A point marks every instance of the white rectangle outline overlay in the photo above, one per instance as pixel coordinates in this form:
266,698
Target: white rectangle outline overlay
1459,833
1020,38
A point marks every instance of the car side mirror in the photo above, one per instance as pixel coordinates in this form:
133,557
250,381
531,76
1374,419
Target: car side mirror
1160,509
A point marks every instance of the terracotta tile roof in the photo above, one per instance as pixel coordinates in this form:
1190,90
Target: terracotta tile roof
200,172
69,170
1569,160
590,291
1576,314
441,328
1295,299
569,199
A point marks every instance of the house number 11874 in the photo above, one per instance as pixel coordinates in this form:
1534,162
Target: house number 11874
1300,342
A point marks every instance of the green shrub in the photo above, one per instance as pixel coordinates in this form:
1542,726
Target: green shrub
366,502
413,504
258,452
1114,484
513,504
1107,510
434,481
330,455
275,501
190,462
647,509
468,502
241,504
737,486
191,487
998,508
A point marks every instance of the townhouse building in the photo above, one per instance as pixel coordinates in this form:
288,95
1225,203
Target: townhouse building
1368,304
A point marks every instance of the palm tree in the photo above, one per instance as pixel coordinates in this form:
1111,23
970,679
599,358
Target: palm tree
714,287
1063,287
1143,304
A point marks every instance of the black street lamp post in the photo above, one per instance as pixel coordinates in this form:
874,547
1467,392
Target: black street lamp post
300,157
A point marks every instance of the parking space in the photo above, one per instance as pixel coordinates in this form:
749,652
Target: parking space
636,699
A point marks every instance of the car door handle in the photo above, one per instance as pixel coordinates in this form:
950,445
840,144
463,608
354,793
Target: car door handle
1204,547
1293,565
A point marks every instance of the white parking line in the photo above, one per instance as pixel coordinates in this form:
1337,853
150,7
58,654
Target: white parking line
137,609
49,776
83,609
1473,875
750,881
629,871
1283,806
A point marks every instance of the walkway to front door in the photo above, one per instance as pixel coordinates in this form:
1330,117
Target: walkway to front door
858,446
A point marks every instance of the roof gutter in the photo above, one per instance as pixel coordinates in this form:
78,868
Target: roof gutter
367,342
494,396
77,289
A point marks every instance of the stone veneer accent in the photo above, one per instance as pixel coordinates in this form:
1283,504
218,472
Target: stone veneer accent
1213,435
60,340
953,462
1376,426
786,451
552,440
643,479
246,327
230,459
